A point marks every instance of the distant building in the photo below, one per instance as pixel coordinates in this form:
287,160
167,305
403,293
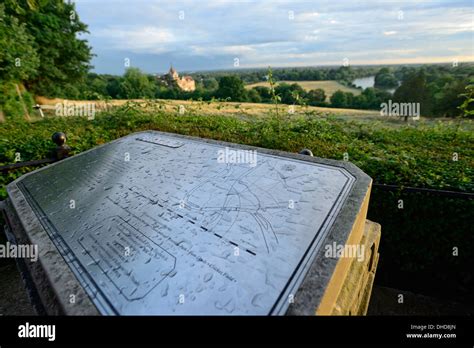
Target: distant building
185,83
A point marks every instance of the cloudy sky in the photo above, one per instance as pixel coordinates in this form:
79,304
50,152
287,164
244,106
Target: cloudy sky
211,34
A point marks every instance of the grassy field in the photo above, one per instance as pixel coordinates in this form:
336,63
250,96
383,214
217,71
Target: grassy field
329,87
244,111
213,108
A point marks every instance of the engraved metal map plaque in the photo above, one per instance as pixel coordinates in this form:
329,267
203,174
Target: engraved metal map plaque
153,223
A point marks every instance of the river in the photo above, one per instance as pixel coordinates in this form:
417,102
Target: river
369,81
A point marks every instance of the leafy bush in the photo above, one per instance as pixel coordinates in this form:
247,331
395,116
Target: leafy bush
420,156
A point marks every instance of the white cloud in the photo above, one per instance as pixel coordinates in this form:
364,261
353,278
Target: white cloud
306,16
207,50
311,37
138,39
260,32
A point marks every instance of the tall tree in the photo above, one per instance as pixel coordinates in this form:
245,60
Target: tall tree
231,87
18,58
18,62
55,26
414,90
385,79
290,93
253,96
451,98
338,99
136,84
316,96
264,93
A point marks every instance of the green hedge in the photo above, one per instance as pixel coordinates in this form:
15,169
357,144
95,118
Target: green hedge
412,156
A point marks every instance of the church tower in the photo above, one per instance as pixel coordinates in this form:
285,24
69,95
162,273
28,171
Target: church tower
173,74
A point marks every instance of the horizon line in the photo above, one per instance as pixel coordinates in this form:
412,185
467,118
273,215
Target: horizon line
260,67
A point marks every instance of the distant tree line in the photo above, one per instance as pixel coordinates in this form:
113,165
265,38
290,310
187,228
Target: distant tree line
249,76
42,54
437,88
135,84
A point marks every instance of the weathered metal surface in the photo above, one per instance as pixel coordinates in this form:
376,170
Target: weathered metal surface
157,224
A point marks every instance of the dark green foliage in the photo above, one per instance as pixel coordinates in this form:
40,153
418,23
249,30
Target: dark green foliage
63,58
210,83
231,87
18,59
264,93
467,106
253,96
420,156
249,76
414,89
290,94
339,99
385,79
40,50
135,85
449,98
316,97
10,102
416,249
